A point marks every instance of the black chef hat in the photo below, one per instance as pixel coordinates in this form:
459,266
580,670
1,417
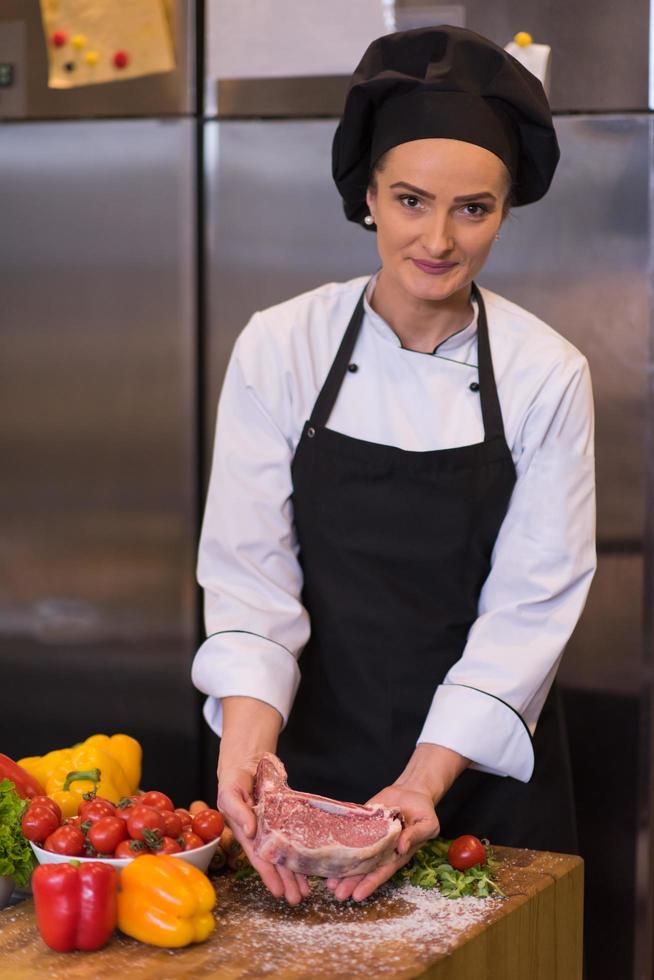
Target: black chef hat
444,82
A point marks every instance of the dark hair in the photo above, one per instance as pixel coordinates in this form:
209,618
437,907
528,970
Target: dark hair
380,164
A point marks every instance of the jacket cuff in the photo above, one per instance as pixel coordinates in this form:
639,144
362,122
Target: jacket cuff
481,727
235,662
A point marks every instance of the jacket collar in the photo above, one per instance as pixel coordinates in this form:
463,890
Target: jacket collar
386,332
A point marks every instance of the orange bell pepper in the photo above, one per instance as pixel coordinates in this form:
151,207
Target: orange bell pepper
164,901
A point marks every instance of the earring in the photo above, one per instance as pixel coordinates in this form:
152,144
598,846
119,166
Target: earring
369,220
497,238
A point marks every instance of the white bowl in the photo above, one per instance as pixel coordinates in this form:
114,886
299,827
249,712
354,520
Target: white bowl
199,857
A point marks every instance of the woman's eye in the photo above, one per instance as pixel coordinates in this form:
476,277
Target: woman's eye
409,201
478,212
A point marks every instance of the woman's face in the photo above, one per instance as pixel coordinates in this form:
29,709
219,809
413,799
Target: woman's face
439,202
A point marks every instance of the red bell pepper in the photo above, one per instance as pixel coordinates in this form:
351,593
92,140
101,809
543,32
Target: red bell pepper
75,904
25,784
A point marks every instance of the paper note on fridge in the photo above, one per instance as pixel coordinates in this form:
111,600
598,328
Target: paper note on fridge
97,41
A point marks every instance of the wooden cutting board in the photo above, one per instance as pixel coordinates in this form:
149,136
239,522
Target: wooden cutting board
533,934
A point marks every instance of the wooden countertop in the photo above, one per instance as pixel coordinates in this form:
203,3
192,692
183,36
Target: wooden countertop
535,933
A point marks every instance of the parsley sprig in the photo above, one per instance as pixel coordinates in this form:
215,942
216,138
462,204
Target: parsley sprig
429,868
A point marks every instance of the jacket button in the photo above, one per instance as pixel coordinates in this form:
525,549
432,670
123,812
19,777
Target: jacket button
474,386
353,367
311,432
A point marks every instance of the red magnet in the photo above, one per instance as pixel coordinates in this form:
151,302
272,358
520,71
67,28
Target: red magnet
59,38
121,59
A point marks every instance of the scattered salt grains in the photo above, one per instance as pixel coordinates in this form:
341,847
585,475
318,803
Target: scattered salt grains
341,936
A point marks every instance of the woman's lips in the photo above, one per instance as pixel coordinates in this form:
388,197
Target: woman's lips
434,268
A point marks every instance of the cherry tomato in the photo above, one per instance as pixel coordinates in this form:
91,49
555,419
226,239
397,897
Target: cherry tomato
38,823
157,800
465,852
130,849
184,816
125,808
208,824
74,822
172,824
46,801
168,846
65,840
191,840
144,818
196,806
94,810
106,834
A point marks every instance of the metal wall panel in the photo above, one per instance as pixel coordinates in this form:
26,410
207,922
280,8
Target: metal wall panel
97,429
579,260
599,50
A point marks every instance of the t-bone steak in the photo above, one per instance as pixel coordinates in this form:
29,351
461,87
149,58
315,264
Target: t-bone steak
314,835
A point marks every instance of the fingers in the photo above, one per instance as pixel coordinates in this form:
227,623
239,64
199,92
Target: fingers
370,882
292,891
303,884
346,886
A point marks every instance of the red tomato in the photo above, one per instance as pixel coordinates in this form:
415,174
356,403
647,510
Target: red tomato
65,840
208,824
46,801
74,822
144,818
94,810
184,816
125,808
157,800
191,840
130,849
38,823
465,852
172,824
106,834
169,846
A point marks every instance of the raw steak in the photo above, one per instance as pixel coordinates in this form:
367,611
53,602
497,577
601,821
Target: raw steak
315,835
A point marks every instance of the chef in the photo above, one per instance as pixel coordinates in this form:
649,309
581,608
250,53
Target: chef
399,531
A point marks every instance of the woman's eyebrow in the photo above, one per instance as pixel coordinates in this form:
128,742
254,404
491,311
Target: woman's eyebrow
432,197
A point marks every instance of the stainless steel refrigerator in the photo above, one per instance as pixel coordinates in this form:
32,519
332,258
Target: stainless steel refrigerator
99,421
580,259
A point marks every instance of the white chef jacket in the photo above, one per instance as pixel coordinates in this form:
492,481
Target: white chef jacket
544,557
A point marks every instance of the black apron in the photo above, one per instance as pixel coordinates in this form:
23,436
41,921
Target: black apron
395,546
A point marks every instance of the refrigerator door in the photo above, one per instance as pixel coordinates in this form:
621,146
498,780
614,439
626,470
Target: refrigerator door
97,427
579,259
25,92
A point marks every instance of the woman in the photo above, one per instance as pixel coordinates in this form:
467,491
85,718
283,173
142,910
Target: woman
402,488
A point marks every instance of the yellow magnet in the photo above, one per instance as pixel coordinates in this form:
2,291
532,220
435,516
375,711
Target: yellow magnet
523,39
78,41
91,57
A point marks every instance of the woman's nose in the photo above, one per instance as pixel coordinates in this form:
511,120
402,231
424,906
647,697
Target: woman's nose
438,238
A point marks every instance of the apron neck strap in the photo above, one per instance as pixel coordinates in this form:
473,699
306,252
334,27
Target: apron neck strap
329,393
490,405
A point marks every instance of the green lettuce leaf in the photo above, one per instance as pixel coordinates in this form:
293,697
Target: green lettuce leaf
16,856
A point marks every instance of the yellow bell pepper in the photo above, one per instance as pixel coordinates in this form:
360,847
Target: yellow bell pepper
34,765
126,751
118,757
67,801
113,782
164,901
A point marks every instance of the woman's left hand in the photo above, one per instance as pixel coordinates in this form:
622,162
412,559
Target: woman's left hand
421,824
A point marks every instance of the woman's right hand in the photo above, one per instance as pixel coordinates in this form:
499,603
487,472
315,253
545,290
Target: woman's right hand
235,802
